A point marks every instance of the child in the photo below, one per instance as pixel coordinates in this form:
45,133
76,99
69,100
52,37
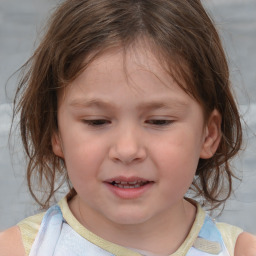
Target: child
129,101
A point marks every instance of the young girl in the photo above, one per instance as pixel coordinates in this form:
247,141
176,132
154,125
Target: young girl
129,102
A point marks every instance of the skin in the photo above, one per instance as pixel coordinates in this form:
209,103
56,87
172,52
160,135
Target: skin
137,138
160,144
245,245
11,242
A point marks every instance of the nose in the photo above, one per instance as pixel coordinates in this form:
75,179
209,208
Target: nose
127,147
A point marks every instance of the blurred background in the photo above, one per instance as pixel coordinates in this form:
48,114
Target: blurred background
21,23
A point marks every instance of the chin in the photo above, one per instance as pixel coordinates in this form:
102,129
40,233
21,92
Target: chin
130,218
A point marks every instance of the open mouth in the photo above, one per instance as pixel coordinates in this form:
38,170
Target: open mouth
129,187
129,184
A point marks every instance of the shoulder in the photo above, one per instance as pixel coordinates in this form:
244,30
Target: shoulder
29,228
229,235
11,242
17,241
238,243
229,231
245,245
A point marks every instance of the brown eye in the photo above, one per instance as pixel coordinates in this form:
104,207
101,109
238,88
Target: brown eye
97,122
159,122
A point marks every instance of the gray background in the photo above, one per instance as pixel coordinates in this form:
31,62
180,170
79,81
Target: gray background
20,25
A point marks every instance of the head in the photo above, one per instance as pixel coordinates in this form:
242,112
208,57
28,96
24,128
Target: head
179,34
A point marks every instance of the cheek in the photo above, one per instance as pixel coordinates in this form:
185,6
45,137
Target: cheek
83,157
178,152
177,159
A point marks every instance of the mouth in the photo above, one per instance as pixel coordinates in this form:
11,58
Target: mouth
129,184
129,187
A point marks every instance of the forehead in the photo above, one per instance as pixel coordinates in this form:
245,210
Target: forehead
130,64
119,72
126,84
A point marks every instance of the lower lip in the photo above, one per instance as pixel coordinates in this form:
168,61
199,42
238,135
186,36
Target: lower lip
129,193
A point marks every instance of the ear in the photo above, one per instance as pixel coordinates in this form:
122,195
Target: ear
57,145
212,135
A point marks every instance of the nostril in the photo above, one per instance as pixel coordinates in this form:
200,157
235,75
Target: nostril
127,153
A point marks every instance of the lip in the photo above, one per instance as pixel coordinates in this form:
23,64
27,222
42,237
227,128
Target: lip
128,193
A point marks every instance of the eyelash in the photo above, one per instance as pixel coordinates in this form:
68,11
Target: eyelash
96,122
102,122
160,122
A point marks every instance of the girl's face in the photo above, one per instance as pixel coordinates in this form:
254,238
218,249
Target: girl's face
131,139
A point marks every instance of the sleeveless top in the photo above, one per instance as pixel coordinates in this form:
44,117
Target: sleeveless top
58,233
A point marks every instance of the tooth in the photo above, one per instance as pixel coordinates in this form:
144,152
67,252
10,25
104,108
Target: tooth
127,185
133,182
117,181
124,182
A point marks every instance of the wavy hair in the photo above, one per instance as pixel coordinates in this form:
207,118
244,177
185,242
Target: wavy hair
181,35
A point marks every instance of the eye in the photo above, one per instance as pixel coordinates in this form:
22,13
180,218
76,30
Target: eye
96,122
159,122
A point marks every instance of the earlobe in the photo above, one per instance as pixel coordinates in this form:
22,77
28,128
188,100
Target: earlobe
57,145
212,135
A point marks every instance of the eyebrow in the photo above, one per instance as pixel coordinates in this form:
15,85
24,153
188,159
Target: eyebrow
151,105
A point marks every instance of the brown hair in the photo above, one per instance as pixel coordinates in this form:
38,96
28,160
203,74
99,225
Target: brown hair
180,33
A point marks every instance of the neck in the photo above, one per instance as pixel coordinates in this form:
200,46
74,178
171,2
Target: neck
153,235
